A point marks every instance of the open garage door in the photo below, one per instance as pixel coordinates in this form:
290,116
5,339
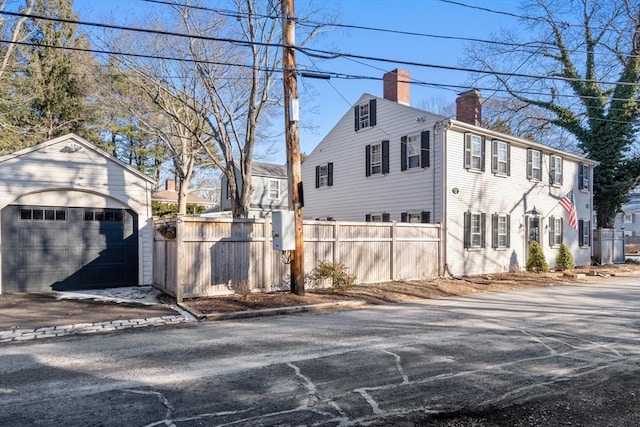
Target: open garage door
63,248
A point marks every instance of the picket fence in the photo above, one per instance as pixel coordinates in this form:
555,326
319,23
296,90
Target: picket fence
196,257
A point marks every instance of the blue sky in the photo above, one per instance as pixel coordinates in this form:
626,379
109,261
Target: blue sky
324,102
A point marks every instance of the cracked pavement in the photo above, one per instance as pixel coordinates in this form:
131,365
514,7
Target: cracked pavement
430,362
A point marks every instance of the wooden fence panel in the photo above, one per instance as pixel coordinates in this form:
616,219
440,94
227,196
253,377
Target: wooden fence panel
608,246
222,255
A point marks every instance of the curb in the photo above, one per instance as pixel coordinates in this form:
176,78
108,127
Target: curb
283,310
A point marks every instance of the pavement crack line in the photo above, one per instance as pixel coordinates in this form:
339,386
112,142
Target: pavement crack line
312,391
169,407
405,377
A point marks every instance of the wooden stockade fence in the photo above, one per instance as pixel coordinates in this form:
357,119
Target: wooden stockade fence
196,256
608,246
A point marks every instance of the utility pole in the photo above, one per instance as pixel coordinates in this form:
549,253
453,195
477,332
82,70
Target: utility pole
293,142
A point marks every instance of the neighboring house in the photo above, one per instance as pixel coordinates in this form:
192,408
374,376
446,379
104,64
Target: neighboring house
73,217
169,196
629,219
269,182
492,193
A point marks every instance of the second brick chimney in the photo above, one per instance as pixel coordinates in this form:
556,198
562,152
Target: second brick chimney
396,86
170,185
469,107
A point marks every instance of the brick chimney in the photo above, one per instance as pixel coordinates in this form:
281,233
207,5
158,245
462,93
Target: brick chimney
396,86
469,107
170,185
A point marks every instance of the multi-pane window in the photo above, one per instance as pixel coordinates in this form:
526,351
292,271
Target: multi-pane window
43,214
474,226
555,231
534,164
376,158
365,115
555,169
627,218
274,189
500,158
377,217
584,232
103,215
324,175
500,231
583,176
413,151
416,217
476,152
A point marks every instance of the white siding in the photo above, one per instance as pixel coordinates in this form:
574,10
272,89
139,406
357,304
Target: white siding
50,174
353,194
513,195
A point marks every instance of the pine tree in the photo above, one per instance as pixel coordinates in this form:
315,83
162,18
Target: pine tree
536,261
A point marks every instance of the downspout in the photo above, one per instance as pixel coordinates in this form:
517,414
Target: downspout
444,125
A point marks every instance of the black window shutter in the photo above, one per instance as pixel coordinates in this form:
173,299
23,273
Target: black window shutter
404,217
529,164
425,217
482,162
509,159
508,231
386,217
403,153
330,174
367,218
467,151
588,225
552,229
552,169
580,176
561,230
385,156
467,229
424,147
367,157
494,156
372,112
356,113
483,229
317,176
580,232
494,230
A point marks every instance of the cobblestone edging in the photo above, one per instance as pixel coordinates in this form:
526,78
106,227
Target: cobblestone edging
91,328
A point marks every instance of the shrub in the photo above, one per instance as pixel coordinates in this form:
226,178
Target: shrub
536,261
334,271
564,260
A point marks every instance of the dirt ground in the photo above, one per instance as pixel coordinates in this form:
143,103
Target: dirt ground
405,291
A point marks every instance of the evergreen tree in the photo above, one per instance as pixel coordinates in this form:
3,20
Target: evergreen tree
564,260
536,261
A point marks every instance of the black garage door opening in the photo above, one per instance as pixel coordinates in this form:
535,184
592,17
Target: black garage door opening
63,248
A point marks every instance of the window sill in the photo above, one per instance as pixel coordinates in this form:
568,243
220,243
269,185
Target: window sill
501,174
364,129
472,170
377,175
475,249
324,187
501,248
414,169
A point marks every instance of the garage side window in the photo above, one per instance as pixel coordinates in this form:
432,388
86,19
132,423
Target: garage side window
104,215
43,214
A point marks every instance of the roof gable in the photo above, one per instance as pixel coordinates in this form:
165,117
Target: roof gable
72,143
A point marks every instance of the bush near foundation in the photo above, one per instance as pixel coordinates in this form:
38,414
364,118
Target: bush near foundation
564,260
536,261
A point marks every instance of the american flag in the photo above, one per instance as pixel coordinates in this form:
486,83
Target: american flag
568,204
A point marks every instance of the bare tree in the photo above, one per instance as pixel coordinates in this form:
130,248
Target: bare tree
581,71
12,31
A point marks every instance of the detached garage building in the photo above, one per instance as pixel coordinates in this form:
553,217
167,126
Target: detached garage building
72,217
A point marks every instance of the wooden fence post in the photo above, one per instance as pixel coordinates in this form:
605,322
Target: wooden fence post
392,266
179,259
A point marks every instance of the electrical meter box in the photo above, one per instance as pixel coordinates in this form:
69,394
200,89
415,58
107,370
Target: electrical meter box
284,234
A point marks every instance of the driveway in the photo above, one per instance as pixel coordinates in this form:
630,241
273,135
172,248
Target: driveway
545,356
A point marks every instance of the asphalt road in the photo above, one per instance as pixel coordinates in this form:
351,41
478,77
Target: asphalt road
550,356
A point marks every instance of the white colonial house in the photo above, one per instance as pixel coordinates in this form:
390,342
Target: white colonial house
629,219
73,217
492,193
269,183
